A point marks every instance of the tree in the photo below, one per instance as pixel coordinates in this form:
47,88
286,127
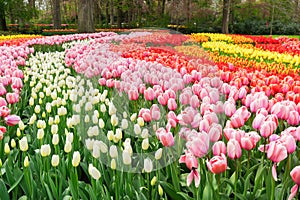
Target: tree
3,26
226,15
56,14
86,16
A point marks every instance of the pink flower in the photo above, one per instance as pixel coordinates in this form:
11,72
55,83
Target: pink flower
234,149
3,102
194,102
163,99
215,132
133,94
12,98
249,140
4,111
294,118
149,94
280,110
267,128
12,120
289,142
276,151
190,160
17,83
184,98
155,112
2,89
199,144
219,148
217,164
193,175
229,109
295,174
145,114
166,139
239,118
258,120
172,105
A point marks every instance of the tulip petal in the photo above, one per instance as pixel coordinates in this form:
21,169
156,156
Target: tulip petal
274,173
190,178
293,192
196,178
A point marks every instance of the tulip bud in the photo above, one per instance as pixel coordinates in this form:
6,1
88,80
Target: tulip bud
6,148
54,129
0,163
94,172
13,143
126,157
140,121
55,139
40,134
158,154
113,164
114,120
68,147
148,165
133,117
18,132
21,125
153,181
113,151
160,191
26,162
145,144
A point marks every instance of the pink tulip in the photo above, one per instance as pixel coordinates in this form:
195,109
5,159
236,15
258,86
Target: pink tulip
193,175
294,118
199,145
12,120
219,148
280,110
295,174
149,94
217,164
267,128
155,112
184,98
289,142
258,120
167,139
249,140
190,160
204,125
172,105
276,151
133,94
2,89
17,83
194,102
2,102
102,81
229,109
234,149
163,99
215,132
12,98
4,111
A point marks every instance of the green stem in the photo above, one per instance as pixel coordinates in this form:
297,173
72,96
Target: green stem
236,178
219,185
273,186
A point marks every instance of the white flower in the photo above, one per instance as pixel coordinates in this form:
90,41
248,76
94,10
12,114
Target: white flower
89,143
137,129
125,115
68,147
55,139
69,136
94,172
40,134
158,154
88,106
93,131
55,160
113,151
101,123
126,157
110,135
114,120
31,101
13,143
113,164
50,121
124,124
111,109
148,165
6,148
103,108
87,119
21,125
76,159
41,124
96,151
103,147
62,111
145,144
54,129
48,107
23,144
119,134
45,150
145,133
56,119
95,119
133,117
140,121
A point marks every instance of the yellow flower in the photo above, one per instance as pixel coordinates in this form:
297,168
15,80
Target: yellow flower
113,164
13,143
26,162
160,191
18,132
153,181
21,125
6,148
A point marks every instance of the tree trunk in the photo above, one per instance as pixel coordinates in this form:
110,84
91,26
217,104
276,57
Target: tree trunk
106,13
86,16
3,26
226,15
56,14
119,14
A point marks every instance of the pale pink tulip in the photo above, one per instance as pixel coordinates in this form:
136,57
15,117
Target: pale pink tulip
258,120
12,120
219,148
199,145
12,98
167,139
133,94
149,94
294,118
276,151
193,175
155,112
194,101
172,105
267,128
2,89
234,149
190,160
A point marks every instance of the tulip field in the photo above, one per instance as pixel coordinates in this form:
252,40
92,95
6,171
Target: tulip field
149,114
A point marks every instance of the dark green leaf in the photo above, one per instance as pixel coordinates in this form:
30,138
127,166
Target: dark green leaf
3,191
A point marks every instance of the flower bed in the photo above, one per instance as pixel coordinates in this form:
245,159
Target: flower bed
147,115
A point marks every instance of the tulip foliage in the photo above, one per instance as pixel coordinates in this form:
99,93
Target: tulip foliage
149,115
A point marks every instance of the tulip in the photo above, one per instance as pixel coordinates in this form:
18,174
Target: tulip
45,150
234,149
267,128
217,164
167,139
160,191
113,164
12,98
76,159
148,165
94,172
55,160
26,161
199,145
23,144
295,174
190,160
172,105
219,148
193,175
158,154
294,118
12,120
4,111
153,181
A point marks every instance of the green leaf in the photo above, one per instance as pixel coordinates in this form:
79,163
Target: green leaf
247,183
207,192
16,183
91,192
48,191
140,196
3,191
169,189
258,178
23,197
53,188
185,196
240,196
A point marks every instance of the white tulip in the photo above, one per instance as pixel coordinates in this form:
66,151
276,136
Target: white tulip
55,160
45,150
76,159
158,153
94,172
23,144
55,139
126,157
113,151
148,165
